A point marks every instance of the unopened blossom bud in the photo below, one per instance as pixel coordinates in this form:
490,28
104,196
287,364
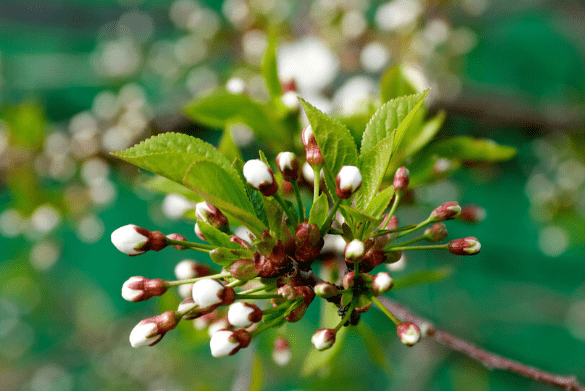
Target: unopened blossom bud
281,353
290,100
447,211
325,290
226,343
211,215
187,269
149,331
382,283
323,339
354,251
260,177
208,292
178,237
409,333
244,269
188,305
465,246
235,85
130,239
289,85
436,232
363,304
242,314
398,264
141,288
348,280
297,314
289,293
348,181
288,164
472,214
308,242
199,233
185,290
401,180
312,150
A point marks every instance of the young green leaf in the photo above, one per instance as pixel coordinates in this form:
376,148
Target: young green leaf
227,147
426,133
224,256
274,215
220,108
215,236
427,168
380,202
469,148
269,68
171,155
373,167
395,84
319,210
333,138
357,215
217,187
423,277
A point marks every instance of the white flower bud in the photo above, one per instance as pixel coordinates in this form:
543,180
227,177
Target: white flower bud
382,283
354,251
128,240
132,294
288,164
185,290
222,343
207,293
186,269
290,100
243,314
349,180
409,333
259,176
216,326
281,353
235,85
144,335
323,339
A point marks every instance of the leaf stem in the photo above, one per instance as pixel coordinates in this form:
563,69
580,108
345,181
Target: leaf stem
192,280
276,320
277,308
192,245
346,316
254,297
394,205
330,216
418,226
428,247
282,203
299,200
386,311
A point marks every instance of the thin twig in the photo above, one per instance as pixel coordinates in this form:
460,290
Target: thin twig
490,360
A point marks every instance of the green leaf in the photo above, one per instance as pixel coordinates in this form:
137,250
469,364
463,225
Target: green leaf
357,215
316,359
334,140
171,155
373,347
226,256
380,202
469,148
395,84
215,237
382,137
319,210
357,125
423,277
221,108
274,215
227,147
163,185
424,169
217,187
388,118
269,68
426,133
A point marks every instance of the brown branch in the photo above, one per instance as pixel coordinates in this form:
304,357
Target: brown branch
490,360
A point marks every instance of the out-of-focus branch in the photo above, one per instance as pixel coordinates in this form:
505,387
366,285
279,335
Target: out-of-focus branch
490,360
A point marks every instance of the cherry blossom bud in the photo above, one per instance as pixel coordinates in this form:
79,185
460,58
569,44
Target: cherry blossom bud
323,338
219,324
382,283
409,333
187,269
289,85
290,100
397,265
211,215
348,181
185,291
130,239
313,153
199,233
297,314
436,232
348,280
325,290
447,211
149,331
472,214
289,165
308,242
141,288
188,305
354,251
465,246
289,293
401,179
281,353
244,314
226,343
244,269
208,293
260,177
235,85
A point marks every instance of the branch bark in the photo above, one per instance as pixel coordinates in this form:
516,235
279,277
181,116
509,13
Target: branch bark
490,360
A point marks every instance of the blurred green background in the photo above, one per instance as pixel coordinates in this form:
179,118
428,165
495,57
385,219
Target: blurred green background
63,323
